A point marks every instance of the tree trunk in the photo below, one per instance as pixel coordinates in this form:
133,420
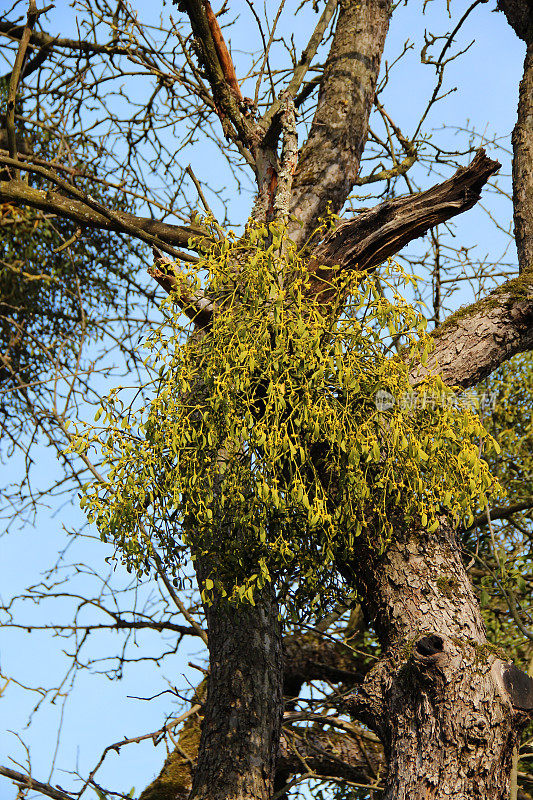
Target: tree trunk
522,164
445,706
329,160
244,707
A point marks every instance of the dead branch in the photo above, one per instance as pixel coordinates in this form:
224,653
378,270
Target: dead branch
370,238
222,51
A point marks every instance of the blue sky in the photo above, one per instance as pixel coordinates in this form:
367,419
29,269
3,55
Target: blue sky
99,711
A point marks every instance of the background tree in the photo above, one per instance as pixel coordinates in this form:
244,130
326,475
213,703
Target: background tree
434,666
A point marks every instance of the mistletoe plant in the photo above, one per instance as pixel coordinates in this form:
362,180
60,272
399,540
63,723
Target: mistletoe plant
264,449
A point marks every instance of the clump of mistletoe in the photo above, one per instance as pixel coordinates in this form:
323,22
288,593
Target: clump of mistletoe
264,450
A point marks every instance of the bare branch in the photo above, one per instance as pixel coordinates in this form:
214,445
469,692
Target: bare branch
80,212
306,58
217,62
15,77
27,782
154,735
501,512
44,40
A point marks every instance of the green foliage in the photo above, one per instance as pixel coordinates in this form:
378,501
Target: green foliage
264,443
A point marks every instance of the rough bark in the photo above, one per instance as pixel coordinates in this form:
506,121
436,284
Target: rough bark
518,13
522,164
306,658
329,160
444,705
440,699
244,706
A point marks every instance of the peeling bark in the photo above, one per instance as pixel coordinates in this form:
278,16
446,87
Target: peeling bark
329,160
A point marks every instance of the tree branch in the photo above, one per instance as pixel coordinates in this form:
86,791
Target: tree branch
354,757
370,238
18,192
501,512
310,657
41,39
15,77
222,51
475,340
27,782
303,65
192,302
215,59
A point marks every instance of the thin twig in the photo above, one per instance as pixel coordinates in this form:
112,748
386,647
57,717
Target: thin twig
198,188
